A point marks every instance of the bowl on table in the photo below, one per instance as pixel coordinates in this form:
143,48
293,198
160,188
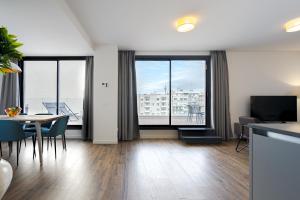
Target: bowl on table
12,111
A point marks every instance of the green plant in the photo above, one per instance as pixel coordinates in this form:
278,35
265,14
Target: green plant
8,49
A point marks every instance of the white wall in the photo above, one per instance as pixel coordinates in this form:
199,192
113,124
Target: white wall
105,98
261,73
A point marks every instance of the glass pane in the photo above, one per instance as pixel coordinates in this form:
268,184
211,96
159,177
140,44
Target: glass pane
153,92
188,92
40,87
71,90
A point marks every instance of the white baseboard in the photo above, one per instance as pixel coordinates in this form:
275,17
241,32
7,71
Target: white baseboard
105,142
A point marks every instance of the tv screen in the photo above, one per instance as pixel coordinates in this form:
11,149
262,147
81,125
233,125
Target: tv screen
274,108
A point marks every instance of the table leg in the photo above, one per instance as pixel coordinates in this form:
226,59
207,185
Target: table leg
39,140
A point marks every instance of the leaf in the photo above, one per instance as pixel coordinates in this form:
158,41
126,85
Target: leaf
8,49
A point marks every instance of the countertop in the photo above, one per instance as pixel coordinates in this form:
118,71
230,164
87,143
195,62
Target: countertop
291,129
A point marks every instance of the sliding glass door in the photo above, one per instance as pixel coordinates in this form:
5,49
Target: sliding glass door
40,81
71,89
173,91
188,92
54,85
153,92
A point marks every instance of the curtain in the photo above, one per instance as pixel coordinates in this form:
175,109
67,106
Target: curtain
87,118
128,128
10,92
222,121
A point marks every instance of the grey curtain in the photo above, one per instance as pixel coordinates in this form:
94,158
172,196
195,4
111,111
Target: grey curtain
10,92
222,121
87,118
128,128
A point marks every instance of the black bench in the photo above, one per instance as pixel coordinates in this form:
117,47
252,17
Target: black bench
198,135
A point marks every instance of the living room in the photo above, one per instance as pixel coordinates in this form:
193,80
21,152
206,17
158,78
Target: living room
151,93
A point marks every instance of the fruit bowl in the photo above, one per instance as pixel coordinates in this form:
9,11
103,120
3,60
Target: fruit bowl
12,111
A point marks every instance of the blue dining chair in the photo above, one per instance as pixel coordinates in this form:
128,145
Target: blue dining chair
11,131
58,128
30,131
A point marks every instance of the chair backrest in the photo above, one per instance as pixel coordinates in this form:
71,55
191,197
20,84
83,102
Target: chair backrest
59,127
11,131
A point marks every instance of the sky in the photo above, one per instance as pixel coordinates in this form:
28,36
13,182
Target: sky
153,76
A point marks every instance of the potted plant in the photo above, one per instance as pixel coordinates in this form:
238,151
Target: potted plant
9,52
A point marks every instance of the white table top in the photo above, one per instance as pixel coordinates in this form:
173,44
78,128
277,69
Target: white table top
31,118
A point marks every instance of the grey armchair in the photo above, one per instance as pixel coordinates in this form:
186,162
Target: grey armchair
244,131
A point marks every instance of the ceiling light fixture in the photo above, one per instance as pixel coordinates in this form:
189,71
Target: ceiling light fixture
186,24
292,25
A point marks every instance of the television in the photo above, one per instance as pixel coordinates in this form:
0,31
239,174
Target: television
274,108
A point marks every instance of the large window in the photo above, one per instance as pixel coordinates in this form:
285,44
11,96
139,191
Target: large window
54,85
173,91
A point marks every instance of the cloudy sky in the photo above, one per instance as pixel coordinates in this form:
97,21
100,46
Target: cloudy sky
153,76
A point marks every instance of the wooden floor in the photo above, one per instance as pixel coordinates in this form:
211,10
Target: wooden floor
140,170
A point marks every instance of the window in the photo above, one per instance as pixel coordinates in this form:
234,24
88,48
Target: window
180,84
54,85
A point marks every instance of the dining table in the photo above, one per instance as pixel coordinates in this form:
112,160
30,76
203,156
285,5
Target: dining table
37,120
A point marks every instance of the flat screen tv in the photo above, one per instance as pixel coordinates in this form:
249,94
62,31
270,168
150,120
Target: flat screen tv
274,108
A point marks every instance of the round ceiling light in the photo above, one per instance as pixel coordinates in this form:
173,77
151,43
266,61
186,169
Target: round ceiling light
186,24
292,25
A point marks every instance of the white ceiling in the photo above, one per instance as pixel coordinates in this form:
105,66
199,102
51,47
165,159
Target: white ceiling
44,27
148,25
73,27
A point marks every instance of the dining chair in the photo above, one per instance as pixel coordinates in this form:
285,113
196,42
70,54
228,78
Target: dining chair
58,128
30,131
11,131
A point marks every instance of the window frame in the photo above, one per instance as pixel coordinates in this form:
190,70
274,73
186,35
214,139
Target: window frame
207,59
47,58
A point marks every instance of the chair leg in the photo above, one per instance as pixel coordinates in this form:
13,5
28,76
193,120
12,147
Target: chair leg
238,143
33,144
42,143
237,149
18,153
1,149
65,142
25,142
62,142
10,148
47,143
55,146
20,142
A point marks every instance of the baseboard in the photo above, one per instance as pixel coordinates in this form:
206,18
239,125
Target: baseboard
158,134
74,134
105,142
74,137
